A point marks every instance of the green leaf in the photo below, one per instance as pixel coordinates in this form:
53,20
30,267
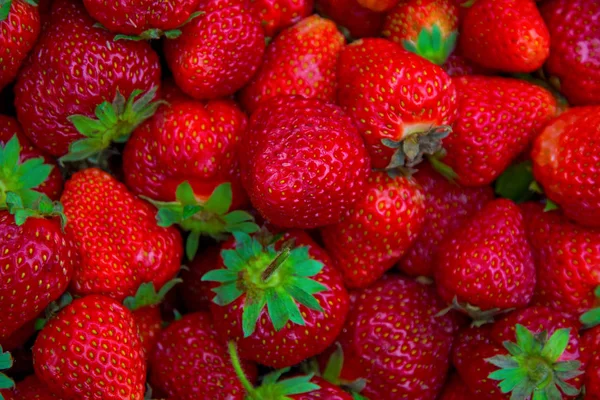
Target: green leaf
4,9
227,294
357,396
245,227
308,267
293,312
333,369
11,154
87,126
185,194
251,313
556,345
220,200
146,295
220,275
6,360
436,37
409,46
36,175
550,206
237,216
297,385
273,377
502,361
232,260
567,389
515,181
591,318
277,309
191,245
563,366
525,340
304,298
166,217
173,34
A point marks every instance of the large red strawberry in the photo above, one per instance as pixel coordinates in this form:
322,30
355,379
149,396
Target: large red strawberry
119,241
574,59
276,15
565,162
19,30
401,103
303,163
447,206
91,350
591,343
350,15
300,61
382,226
507,35
497,119
218,52
280,303
30,388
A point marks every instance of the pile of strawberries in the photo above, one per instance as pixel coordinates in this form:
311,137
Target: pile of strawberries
281,199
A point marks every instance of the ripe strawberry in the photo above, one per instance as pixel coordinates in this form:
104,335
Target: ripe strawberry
457,65
497,119
382,226
118,239
277,15
218,52
300,61
29,388
304,164
574,59
280,303
425,27
401,103
456,389
447,206
565,163
91,350
61,75
350,15
591,343
19,30
195,292
508,35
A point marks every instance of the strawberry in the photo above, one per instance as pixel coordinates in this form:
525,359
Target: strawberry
401,103
304,164
300,61
195,292
425,27
378,5
189,362
574,61
455,389
508,35
218,52
457,65
30,389
62,60
497,119
277,15
280,303
351,16
118,239
382,226
447,206
565,163
486,265
91,350
19,30
591,342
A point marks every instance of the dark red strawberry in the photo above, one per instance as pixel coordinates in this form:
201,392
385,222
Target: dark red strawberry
29,388
591,344
276,15
303,163
350,15
456,389
457,65
195,292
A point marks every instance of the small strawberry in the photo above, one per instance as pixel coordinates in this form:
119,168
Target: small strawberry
30,388
401,103
591,343
382,226
303,165
565,163
91,350
276,15
300,61
118,239
456,389
352,17
195,292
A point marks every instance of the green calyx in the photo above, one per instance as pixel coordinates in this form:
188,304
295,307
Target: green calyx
6,362
209,218
515,182
432,45
152,34
5,7
531,370
114,123
39,207
147,296
592,317
333,371
53,308
480,317
276,279
410,151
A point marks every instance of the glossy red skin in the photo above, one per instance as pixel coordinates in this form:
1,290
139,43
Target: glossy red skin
149,323
507,35
447,206
120,244
487,262
368,70
304,164
358,20
196,293
456,389
38,261
276,15
591,343
300,61
574,27
392,339
457,65
382,226
135,17
326,391
293,343
193,342
99,333
218,52
565,163
19,337
29,388
497,119
187,140
18,34
52,186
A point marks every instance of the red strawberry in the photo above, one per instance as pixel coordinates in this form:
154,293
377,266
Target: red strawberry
277,15
508,35
378,5
303,165
280,303
120,244
300,61
447,206
487,264
91,350
189,362
456,389
565,163
30,388
195,292
574,59
19,30
401,103
218,52
591,343
457,65
497,119
349,14
382,226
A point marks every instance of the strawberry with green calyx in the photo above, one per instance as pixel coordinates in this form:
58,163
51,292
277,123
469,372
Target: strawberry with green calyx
6,362
211,218
38,207
53,308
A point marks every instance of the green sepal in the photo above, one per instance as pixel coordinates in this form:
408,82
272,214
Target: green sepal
155,33
432,45
6,362
591,318
146,295
409,152
273,387
52,309
443,169
4,9
358,396
550,206
37,205
478,316
515,182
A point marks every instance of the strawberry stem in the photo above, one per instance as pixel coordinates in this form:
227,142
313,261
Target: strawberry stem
283,255
239,371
